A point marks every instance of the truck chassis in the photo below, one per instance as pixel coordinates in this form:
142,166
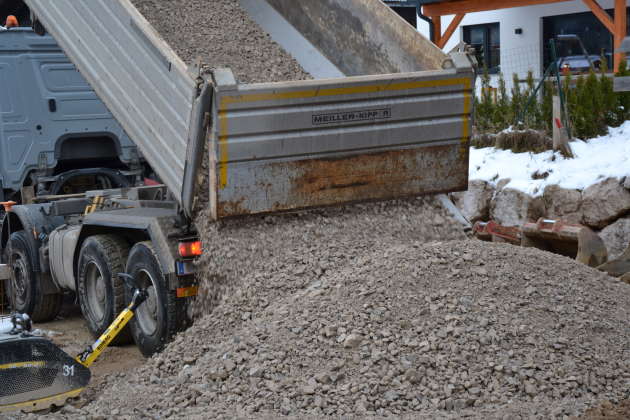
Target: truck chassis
80,244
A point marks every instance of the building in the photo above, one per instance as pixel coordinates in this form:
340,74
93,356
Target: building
512,36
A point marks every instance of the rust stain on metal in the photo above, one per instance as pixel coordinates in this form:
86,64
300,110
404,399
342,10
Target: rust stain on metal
341,180
376,176
232,208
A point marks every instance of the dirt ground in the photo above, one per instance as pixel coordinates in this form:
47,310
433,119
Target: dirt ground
608,411
70,333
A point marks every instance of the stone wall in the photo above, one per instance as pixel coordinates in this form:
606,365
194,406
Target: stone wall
604,207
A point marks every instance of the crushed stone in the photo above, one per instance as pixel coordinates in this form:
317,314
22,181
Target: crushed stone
221,34
336,315
381,309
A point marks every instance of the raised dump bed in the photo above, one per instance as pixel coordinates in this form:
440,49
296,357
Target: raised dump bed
398,126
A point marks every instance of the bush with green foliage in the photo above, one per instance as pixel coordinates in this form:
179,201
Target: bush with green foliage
592,104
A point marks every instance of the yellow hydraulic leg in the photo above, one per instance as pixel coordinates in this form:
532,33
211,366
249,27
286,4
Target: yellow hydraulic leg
95,350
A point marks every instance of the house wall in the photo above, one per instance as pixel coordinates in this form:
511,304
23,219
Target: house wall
519,53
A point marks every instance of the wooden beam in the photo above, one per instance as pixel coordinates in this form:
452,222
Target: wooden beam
601,14
450,30
620,30
469,6
437,29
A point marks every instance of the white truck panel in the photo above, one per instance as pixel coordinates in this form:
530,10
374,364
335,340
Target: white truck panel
145,85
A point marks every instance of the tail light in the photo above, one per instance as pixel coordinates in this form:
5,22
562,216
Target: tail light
190,249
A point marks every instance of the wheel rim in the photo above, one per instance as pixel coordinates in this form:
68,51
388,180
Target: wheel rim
96,292
19,280
147,313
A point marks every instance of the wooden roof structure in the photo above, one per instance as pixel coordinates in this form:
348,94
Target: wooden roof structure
435,9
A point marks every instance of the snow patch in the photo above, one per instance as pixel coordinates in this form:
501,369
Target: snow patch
600,158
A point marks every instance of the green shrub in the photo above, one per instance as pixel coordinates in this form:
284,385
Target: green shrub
591,103
546,107
609,100
502,110
533,116
517,99
484,109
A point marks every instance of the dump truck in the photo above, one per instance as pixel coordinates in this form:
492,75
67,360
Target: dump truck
388,115
57,137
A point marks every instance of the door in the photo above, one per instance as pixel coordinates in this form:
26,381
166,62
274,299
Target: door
16,139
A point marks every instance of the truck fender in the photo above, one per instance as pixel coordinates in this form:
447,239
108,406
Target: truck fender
37,221
154,231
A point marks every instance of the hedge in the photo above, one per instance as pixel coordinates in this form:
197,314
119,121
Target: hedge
591,102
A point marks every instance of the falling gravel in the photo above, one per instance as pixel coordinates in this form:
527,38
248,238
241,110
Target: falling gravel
221,34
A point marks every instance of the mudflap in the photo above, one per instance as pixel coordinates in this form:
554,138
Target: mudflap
35,374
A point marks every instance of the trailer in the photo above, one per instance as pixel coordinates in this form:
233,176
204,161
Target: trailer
387,116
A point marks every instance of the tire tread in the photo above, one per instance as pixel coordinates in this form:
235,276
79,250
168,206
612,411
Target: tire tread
43,307
116,251
172,313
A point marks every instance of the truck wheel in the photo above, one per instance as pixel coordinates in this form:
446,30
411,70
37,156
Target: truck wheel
100,291
156,319
24,290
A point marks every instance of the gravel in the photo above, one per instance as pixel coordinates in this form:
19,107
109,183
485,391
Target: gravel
221,34
384,310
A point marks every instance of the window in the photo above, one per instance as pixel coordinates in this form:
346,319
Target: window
408,10
596,38
410,14
486,40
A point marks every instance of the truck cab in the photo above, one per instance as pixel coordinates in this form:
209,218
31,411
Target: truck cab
56,136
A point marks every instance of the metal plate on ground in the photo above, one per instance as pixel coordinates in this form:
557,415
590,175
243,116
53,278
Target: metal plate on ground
35,374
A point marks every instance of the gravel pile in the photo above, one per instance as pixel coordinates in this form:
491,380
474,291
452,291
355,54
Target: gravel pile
222,34
382,309
368,310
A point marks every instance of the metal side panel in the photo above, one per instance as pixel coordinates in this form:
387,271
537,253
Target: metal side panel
284,146
284,33
132,69
63,243
5,273
357,37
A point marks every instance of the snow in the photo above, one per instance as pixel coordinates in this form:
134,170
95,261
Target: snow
600,158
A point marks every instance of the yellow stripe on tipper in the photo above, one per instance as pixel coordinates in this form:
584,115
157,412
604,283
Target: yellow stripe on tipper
223,147
226,101
465,140
22,365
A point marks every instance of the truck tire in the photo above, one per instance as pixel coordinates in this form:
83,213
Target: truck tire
24,291
156,320
100,290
